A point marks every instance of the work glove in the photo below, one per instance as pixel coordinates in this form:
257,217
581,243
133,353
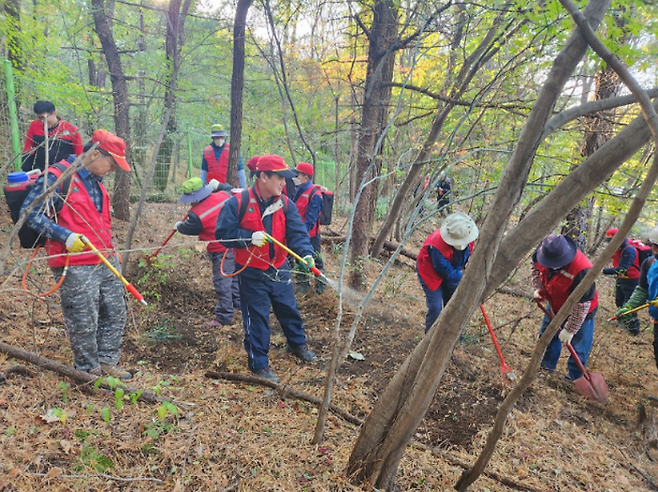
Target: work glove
309,262
565,336
258,238
609,271
539,294
622,312
76,243
214,183
177,224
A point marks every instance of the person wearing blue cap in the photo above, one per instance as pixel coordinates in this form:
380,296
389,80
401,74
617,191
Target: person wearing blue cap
558,266
201,221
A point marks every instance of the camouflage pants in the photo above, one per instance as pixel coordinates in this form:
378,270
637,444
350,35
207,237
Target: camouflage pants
94,310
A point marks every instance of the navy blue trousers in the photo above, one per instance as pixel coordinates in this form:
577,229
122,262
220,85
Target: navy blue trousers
581,342
260,290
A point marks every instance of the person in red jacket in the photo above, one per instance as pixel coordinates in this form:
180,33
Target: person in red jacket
441,262
92,297
214,164
265,279
626,266
558,266
63,138
308,198
201,220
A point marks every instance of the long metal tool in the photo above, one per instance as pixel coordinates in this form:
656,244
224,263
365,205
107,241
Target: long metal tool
129,287
631,311
154,255
315,270
591,384
507,375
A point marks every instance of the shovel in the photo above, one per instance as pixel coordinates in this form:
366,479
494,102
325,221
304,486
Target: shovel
155,255
506,374
591,385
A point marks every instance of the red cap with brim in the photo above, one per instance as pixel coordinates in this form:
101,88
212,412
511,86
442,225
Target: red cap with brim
113,145
252,163
304,168
275,164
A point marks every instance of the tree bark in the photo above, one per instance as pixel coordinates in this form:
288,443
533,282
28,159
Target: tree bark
103,28
388,429
237,87
376,98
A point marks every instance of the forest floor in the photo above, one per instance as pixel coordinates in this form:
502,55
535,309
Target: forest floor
56,435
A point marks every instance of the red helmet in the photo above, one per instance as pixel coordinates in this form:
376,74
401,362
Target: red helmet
611,232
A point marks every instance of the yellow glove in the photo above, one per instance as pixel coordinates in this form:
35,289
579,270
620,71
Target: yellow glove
76,243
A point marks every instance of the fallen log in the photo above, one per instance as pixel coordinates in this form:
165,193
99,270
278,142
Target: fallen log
80,376
245,378
388,245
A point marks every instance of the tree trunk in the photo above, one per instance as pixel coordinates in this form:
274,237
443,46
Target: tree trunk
237,86
383,34
385,434
103,28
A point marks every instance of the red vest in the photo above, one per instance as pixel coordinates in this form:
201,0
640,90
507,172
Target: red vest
634,270
216,168
208,210
260,257
425,267
559,286
302,205
80,215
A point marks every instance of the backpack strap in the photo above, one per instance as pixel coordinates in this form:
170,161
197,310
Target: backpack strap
244,204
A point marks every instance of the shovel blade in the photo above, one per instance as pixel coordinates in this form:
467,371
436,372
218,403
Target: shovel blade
593,388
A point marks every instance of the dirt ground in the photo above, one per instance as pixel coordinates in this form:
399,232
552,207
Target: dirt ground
244,436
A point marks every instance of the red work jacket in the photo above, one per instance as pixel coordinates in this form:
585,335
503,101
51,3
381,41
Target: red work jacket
207,211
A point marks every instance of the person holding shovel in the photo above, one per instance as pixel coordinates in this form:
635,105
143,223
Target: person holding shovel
558,266
441,262
201,221
626,266
91,295
245,222
646,291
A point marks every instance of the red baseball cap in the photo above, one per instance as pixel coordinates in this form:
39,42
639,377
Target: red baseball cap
304,168
251,163
276,164
113,145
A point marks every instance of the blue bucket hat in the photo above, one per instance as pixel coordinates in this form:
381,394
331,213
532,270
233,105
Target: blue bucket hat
556,251
194,191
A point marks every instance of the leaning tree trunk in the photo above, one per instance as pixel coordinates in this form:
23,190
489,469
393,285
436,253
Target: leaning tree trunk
598,129
398,412
103,27
237,87
377,95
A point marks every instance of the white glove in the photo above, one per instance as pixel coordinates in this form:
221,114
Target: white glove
76,243
214,184
565,336
538,294
177,224
258,238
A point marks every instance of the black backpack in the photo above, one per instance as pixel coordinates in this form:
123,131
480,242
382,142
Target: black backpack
327,208
15,196
643,250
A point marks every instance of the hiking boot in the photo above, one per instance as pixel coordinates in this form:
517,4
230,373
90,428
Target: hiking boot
320,287
213,324
303,287
303,352
96,371
266,373
115,372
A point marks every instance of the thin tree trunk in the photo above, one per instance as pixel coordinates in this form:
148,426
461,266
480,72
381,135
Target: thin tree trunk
237,87
103,28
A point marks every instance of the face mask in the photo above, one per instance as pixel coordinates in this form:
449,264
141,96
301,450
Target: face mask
461,247
218,141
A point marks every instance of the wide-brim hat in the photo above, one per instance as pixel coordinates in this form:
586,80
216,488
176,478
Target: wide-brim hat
217,131
194,191
556,251
276,164
459,230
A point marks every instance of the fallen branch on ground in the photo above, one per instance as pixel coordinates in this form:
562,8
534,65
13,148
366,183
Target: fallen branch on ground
244,378
79,376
